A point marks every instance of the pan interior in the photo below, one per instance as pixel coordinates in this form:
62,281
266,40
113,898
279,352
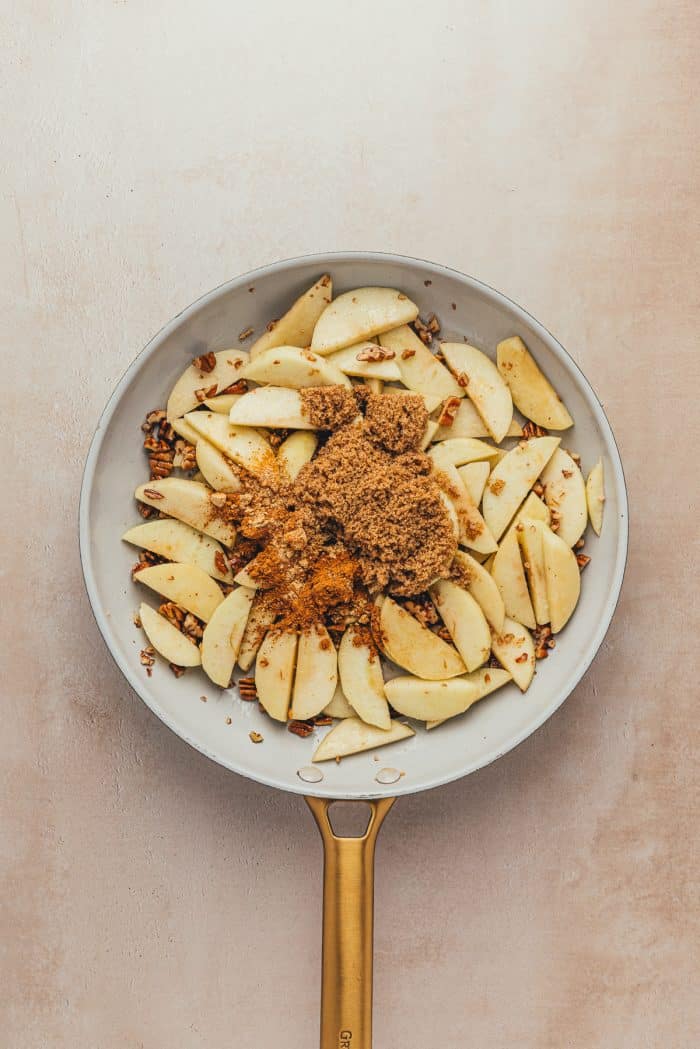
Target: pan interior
116,465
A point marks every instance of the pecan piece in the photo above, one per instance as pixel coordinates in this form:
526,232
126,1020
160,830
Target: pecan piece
206,362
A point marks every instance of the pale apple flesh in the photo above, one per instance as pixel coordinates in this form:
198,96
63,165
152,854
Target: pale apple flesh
430,700
415,648
563,579
167,640
473,531
529,535
216,469
339,706
533,394
187,501
479,582
272,406
243,444
361,678
595,496
294,367
475,476
421,371
565,495
360,314
352,736
223,634
483,384
297,325
515,651
260,619
274,672
295,452
512,479
176,541
183,397
464,620
316,674
188,586
485,680
222,404
509,576
468,423
353,361
456,451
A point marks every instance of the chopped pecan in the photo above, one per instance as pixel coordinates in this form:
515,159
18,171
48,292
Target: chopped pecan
521,658
241,386
160,468
173,613
247,688
220,562
147,656
538,488
497,486
206,391
153,494
255,737
323,719
407,354
145,510
192,628
422,331
579,544
177,671
375,353
542,636
531,429
449,411
245,334
206,362
300,728
582,560
462,379
185,455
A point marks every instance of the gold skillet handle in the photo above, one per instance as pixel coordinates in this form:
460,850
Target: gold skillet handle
348,920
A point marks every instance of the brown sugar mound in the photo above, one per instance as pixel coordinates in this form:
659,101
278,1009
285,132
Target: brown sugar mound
328,407
397,424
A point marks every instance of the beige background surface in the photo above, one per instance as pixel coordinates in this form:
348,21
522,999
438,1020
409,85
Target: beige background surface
153,150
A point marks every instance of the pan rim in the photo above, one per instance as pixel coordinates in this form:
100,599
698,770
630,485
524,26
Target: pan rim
326,260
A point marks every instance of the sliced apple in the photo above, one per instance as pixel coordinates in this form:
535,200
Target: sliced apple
352,736
465,621
358,315
352,361
374,385
512,479
533,394
176,541
274,672
475,476
222,404
486,680
468,423
513,648
451,513
420,369
563,579
317,673
244,578
223,634
408,643
595,496
295,452
295,367
431,700
430,429
183,397
535,509
184,430
297,325
529,535
339,706
188,501
167,640
260,620
483,384
216,469
456,451
274,406
509,576
186,585
565,494
361,678
430,400
244,445
478,581
472,528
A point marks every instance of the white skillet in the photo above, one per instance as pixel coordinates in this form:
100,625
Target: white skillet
115,466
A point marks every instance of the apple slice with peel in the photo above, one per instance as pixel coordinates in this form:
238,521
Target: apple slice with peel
473,531
317,673
513,648
595,496
456,451
167,640
274,406
512,479
295,452
274,672
223,634
176,541
222,404
408,643
183,396
259,622
353,361
478,581
509,576
533,394
468,423
430,400
475,476
431,700
358,315
483,384
486,681
352,736
297,325
529,535
244,445
420,369
218,471
295,367
565,493
186,585
563,578
188,501
339,706
465,621
361,678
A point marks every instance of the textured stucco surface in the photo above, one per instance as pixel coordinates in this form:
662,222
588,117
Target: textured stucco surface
150,152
